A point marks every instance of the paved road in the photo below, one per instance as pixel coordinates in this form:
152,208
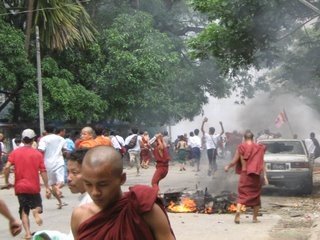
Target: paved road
185,225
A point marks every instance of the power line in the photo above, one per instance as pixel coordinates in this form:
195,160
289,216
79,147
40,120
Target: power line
39,9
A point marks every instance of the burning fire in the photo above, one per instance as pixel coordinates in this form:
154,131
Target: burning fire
233,208
186,205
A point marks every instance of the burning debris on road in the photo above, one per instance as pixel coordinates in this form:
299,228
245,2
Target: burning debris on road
200,202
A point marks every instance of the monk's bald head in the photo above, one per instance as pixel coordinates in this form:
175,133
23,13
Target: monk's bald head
248,135
101,156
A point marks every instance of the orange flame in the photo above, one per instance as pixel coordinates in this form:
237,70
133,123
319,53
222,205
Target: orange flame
186,205
233,208
208,210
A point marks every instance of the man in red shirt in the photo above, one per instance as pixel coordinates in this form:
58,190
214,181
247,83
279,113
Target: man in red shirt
27,162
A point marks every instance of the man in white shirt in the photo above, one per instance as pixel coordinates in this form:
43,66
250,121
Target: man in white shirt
116,140
53,146
212,140
195,144
134,152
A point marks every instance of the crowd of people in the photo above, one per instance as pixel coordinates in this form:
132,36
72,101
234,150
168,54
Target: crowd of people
92,165
57,158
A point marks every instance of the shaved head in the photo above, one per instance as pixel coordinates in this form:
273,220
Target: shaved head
88,130
102,156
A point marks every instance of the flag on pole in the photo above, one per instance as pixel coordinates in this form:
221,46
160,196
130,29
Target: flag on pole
281,119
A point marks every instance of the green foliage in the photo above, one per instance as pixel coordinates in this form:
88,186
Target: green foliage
242,31
139,60
300,69
15,68
138,70
12,54
63,23
63,99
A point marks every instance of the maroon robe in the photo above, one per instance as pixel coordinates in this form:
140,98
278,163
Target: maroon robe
250,183
123,220
162,158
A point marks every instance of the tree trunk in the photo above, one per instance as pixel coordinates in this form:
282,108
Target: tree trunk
29,25
135,4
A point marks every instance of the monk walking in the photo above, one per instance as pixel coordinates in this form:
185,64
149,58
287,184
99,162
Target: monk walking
134,215
249,163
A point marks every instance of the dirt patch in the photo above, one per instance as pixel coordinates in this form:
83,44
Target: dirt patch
299,214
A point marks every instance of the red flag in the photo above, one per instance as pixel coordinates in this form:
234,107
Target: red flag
281,119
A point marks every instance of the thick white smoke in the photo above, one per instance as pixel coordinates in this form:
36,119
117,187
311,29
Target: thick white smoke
258,114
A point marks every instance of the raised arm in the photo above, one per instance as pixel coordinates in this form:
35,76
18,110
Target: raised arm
158,223
202,125
222,129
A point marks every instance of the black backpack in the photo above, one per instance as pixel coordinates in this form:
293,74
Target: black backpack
132,143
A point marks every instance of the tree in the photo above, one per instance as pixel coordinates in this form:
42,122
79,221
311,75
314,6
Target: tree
63,98
15,68
62,23
245,33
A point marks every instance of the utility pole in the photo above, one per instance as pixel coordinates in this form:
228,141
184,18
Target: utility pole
40,96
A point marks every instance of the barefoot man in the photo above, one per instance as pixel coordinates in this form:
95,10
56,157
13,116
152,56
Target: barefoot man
27,162
53,146
135,215
249,163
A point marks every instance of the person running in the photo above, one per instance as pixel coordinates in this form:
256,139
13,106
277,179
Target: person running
136,215
133,143
53,146
196,148
181,149
162,157
145,153
27,162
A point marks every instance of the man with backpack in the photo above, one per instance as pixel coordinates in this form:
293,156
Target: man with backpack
132,143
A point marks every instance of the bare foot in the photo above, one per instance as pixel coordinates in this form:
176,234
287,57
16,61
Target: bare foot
237,218
256,221
37,217
60,205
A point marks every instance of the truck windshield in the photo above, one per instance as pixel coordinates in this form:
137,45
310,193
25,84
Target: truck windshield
284,147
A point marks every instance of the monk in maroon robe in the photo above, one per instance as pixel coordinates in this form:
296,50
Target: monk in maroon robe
113,215
162,157
249,163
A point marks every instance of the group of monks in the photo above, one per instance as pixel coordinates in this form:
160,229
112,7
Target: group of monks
91,138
